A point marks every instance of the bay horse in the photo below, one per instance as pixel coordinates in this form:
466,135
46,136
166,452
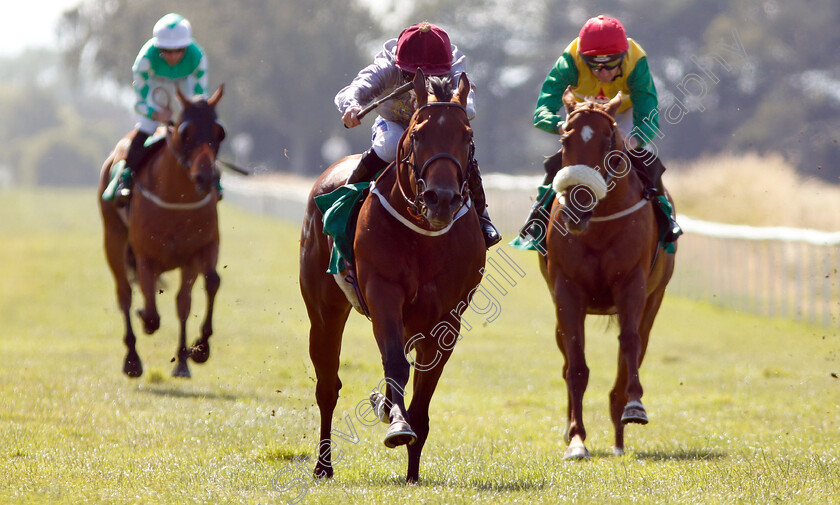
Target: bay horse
603,257
171,223
417,264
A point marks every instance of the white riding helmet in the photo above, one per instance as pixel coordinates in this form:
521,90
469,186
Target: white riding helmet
172,31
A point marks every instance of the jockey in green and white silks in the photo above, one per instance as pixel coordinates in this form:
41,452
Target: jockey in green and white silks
155,80
170,58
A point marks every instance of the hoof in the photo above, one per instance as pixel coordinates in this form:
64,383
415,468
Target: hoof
181,370
634,412
132,366
399,433
200,352
618,451
576,450
322,472
378,401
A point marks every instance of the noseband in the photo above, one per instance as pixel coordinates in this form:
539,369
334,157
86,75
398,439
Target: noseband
417,205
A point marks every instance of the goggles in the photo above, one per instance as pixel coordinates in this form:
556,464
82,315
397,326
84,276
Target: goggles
608,62
172,51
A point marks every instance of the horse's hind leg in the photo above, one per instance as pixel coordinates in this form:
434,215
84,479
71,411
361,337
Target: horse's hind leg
184,303
200,351
623,411
327,325
132,366
115,253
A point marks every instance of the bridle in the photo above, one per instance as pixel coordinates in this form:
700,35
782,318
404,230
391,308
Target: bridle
609,173
417,205
613,133
186,156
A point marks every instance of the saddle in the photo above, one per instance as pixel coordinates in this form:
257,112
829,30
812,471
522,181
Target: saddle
340,210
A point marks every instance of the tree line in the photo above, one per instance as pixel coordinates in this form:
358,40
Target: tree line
732,76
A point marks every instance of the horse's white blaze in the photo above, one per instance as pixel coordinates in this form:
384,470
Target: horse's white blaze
587,133
441,120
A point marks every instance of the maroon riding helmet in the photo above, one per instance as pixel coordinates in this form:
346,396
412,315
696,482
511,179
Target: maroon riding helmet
424,46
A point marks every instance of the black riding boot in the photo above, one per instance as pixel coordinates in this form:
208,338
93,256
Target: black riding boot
132,161
488,230
650,169
537,224
369,165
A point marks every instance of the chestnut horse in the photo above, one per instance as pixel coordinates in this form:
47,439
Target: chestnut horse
603,257
419,254
171,223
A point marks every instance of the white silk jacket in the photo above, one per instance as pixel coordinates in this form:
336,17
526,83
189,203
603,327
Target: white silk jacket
382,77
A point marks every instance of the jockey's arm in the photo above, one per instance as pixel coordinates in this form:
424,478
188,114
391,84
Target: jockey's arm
371,82
547,115
645,104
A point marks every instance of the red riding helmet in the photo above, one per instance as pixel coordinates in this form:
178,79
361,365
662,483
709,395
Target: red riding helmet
602,35
424,46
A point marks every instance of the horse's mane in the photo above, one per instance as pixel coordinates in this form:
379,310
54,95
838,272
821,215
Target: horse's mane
442,87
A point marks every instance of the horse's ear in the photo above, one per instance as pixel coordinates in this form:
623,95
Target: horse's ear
181,98
569,100
614,104
216,96
420,88
463,90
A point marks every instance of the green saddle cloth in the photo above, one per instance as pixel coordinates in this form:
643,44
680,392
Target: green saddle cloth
338,208
118,169
662,219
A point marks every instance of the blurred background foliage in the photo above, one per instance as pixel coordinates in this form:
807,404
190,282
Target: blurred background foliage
282,61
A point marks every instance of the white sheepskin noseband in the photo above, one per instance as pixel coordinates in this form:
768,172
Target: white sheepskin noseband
580,174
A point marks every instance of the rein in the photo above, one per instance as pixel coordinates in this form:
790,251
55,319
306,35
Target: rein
416,206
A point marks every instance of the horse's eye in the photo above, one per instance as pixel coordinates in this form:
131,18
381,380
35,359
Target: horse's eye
186,133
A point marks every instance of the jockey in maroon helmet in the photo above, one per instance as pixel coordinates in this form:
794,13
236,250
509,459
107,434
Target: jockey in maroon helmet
422,46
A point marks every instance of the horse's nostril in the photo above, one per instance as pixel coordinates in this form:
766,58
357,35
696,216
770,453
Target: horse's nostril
430,197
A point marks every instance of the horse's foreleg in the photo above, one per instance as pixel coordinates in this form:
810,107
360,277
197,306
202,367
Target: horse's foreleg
388,330
147,276
425,382
184,303
200,351
570,339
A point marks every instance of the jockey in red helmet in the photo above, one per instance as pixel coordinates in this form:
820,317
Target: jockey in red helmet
422,46
601,62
